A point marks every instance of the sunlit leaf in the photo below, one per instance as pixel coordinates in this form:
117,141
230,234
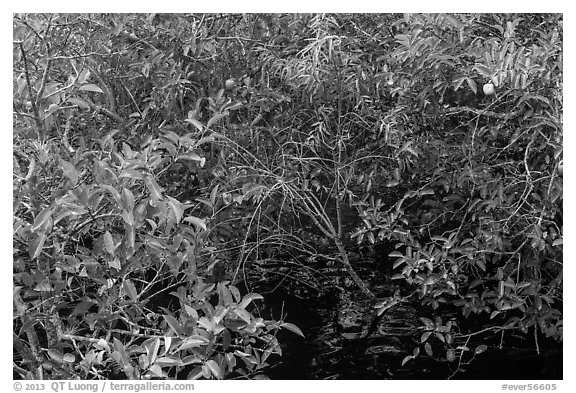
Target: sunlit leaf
214,119
480,348
130,289
197,222
248,298
174,324
195,123
293,328
156,370
42,220
190,156
55,355
115,263
193,342
176,208
425,336
69,358
109,243
153,187
91,87
243,314
36,244
79,102
407,359
214,368
52,109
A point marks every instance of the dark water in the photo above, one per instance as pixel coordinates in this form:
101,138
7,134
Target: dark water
326,354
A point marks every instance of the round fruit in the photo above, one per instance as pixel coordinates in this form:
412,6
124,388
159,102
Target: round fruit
230,84
488,89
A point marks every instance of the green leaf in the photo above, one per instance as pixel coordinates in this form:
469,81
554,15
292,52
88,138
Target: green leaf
169,361
483,70
197,222
167,344
36,245
91,87
248,298
206,139
130,289
69,358
215,119
475,283
190,156
214,368
55,355
235,106
407,359
191,312
109,243
428,349
231,360
224,295
480,348
293,328
371,238
235,292
196,373
214,194
243,314
115,263
425,336
458,82
128,199
153,187
131,174
84,75
176,208
193,342
124,360
79,102
156,370
195,123
102,344
44,286
68,209
152,349
256,190
70,171
472,85
51,109
226,339
174,324
42,220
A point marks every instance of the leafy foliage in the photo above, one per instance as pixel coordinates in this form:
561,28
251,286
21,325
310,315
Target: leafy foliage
160,161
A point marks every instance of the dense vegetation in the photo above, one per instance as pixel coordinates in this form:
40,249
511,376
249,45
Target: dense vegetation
169,168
